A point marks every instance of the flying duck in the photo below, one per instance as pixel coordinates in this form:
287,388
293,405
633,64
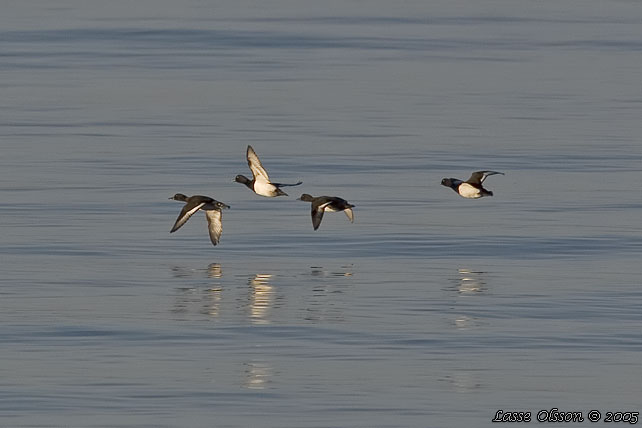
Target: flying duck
212,209
260,183
471,188
320,204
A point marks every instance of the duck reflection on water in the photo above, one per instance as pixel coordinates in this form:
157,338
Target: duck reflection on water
196,298
261,298
257,374
471,281
468,283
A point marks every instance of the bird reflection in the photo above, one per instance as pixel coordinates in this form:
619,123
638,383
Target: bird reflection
261,298
467,283
324,304
182,272
471,281
319,271
206,300
257,374
464,322
214,270
463,381
212,302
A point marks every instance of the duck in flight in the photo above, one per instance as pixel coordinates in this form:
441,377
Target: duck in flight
212,209
260,182
321,204
471,188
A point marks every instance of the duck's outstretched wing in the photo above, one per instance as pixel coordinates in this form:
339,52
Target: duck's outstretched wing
317,216
286,184
255,165
214,224
188,210
478,177
349,214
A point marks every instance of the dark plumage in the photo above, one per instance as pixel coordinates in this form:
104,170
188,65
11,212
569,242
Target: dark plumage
212,209
320,204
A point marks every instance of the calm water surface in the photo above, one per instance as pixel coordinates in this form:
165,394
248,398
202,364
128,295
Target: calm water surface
428,311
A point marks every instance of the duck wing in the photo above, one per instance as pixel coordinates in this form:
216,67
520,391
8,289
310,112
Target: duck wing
349,214
188,210
478,177
255,165
214,224
317,216
286,184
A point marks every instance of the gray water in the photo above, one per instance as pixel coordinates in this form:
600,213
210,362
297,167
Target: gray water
429,311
